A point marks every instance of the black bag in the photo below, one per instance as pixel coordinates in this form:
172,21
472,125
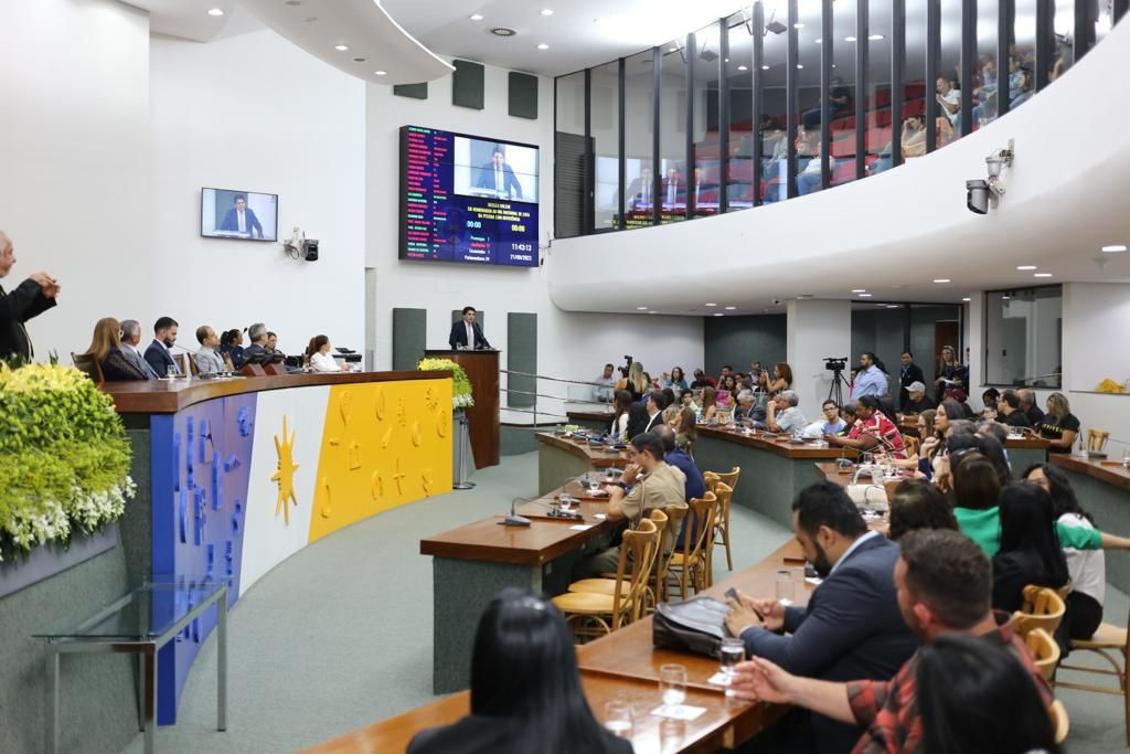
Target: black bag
697,625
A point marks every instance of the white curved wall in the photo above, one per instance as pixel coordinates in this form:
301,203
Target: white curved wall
900,229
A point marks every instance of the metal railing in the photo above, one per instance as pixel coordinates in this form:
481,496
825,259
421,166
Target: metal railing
508,390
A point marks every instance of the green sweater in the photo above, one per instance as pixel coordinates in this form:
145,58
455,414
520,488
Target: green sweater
984,528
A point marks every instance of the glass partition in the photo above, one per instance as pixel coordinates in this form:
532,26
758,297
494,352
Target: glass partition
739,82
1022,56
1024,337
570,177
774,103
877,125
844,92
638,145
673,131
915,87
704,183
809,144
604,104
989,83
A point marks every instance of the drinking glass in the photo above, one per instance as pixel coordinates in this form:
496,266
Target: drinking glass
733,652
618,718
673,684
786,587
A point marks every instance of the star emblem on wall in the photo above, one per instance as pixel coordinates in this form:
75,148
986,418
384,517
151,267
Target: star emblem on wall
284,473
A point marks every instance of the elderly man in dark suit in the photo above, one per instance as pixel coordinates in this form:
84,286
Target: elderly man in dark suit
131,339
30,298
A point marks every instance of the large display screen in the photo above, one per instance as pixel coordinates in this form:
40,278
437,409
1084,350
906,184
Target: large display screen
246,215
467,198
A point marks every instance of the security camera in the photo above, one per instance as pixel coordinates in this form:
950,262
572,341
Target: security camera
977,196
776,302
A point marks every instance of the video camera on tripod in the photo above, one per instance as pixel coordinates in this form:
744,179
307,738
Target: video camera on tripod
834,364
837,365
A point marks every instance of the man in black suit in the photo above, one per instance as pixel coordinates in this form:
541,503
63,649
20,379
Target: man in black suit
157,354
257,352
648,415
852,626
131,340
466,335
30,298
498,176
909,372
241,219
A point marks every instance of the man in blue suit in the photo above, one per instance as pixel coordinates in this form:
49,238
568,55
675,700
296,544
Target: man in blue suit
851,628
157,354
467,334
498,176
241,219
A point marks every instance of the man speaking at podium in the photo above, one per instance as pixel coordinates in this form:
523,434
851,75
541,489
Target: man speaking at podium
466,335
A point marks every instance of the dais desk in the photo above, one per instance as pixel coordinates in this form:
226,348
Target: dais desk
561,458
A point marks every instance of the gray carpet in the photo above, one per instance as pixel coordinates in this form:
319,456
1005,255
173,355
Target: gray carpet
339,635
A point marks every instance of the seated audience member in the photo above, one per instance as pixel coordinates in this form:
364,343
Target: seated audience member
850,417
851,627
658,485
1028,406
709,404
257,352
746,401
909,373
319,356
1060,426
676,380
638,418
1008,410
516,706
830,423
919,505
687,401
621,413
871,379
784,416
695,485
105,347
1029,549
157,354
729,382
782,378
208,359
273,343
944,585
989,400
873,432
686,432
701,380
928,444
656,402
604,389
231,348
131,340
916,400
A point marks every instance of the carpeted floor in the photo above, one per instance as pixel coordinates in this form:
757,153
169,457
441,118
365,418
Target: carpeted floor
339,635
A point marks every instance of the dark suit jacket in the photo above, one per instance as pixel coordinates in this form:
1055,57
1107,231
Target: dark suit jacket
478,734
458,336
851,629
256,354
159,358
509,185
637,419
117,367
138,362
16,307
231,222
914,374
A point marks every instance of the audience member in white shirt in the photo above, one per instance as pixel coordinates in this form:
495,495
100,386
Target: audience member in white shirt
318,355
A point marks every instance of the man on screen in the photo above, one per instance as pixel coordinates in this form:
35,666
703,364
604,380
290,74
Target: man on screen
241,219
498,176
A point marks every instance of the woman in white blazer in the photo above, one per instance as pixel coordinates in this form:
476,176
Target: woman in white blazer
318,356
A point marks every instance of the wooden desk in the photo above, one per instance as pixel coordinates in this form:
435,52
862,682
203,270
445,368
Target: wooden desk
472,563
773,469
595,419
1103,488
560,458
484,418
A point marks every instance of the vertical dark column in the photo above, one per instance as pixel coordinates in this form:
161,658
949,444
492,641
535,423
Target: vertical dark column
968,62
688,179
723,118
791,105
826,48
898,73
1045,41
1084,27
621,143
1006,20
861,95
758,88
656,172
933,44
589,222
1120,8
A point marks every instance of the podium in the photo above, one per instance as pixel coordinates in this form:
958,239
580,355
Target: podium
485,425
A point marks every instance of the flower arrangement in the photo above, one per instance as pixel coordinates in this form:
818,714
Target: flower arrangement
64,457
461,387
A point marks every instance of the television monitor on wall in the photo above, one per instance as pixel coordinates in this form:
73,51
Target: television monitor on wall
243,215
467,198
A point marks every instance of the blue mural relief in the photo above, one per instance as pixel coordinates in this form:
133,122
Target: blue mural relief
201,459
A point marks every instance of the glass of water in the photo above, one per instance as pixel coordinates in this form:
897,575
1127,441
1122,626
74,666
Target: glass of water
618,718
733,652
673,684
786,587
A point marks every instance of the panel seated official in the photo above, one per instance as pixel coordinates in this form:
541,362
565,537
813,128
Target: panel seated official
467,334
257,352
851,627
657,485
157,354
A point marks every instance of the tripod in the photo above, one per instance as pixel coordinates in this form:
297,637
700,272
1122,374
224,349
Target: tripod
836,391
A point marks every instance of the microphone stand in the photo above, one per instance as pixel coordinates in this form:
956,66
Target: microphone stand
512,518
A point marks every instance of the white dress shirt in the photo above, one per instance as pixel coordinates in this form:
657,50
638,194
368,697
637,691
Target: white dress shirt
241,219
470,334
323,362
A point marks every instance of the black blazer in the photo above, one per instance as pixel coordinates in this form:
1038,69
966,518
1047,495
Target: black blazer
159,358
477,734
458,337
18,306
117,367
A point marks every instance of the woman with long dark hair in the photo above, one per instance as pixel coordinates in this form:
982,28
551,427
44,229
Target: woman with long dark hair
318,356
1030,552
976,697
525,689
621,408
782,378
709,403
917,504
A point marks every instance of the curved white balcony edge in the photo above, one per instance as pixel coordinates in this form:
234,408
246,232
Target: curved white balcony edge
895,232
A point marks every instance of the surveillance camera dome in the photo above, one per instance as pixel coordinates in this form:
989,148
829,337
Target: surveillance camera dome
977,196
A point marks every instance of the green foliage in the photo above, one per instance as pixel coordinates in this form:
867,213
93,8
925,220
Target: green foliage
461,384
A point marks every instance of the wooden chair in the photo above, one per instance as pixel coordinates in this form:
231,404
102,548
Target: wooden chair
1108,640
1096,440
1045,652
192,368
88,365
722,525
591,615
606,584
1043,608
1061,724
689,566
724,493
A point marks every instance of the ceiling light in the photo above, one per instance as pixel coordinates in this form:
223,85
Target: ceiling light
381,73
875,37
1042,275
743,67
547,11
673,49
653,312
1006,298
341,48
543,46
711,304
476,16
641,308
765,68
819,41
941,280
1026,267
865,295
849,39
859,290
502,31
892,306
1114,248
967,299
727,60
800,66
719,314
731,308
216,12
798,26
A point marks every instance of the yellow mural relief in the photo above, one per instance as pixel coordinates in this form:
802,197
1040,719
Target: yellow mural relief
284,473
368,449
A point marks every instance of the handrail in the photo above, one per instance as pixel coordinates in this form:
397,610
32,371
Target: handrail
536,410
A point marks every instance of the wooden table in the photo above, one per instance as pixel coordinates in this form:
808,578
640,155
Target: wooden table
472,563
561,458
1103,489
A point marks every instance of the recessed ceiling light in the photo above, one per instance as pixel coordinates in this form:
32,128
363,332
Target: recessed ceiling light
849,39
547,11
892,306
798,26
476,16
1042,275
719,314
711,304
216,12
1006,298
502,31
641,308
819,41
743,67
341,48
967,299
1114,248
653,312
876,37
727,60
865,295
859,290
731,308
941,280
543,46
381,73
1026,267
800,66
765,68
